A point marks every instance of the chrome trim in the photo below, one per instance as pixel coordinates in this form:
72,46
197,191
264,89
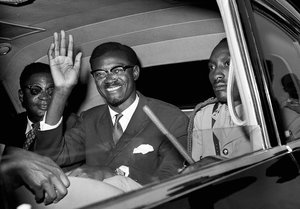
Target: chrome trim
250,75
284,18
251,84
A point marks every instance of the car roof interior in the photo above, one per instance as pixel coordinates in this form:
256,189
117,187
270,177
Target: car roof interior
162,32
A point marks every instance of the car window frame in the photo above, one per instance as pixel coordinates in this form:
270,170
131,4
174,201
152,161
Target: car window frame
273,129
277,12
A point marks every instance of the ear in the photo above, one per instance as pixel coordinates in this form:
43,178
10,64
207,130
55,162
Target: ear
21,95
136,72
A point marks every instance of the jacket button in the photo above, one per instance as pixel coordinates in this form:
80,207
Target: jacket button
225,151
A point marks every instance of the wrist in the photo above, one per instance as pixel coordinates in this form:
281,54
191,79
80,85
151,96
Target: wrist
62,92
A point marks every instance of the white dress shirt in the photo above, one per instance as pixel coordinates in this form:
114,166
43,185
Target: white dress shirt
127,114
29,125
124,120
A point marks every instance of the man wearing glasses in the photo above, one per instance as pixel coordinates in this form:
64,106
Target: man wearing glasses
36,87
35,93
116,138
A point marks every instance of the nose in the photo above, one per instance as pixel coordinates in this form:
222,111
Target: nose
218,75
44,95
111,77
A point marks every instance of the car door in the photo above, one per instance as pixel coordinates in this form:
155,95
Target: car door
271,30
265,36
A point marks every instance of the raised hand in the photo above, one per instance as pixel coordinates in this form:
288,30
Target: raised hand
65,73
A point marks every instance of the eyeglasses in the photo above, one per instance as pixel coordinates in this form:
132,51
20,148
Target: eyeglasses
35,90
117,70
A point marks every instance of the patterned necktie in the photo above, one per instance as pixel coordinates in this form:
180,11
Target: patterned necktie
117,129
30,136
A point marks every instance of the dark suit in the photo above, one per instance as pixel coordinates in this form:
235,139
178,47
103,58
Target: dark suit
91,140
15,128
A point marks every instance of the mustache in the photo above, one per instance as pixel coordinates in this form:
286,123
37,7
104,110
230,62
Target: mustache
219,81
116,83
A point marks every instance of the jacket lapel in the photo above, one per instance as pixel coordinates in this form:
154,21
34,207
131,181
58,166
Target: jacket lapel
106,127
136,125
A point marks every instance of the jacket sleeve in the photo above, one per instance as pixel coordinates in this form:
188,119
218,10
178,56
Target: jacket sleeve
64,148
170,159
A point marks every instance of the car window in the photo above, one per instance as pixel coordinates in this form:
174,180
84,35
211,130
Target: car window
281,49
182,84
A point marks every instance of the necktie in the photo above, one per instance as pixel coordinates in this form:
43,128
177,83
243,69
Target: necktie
30,136
117,129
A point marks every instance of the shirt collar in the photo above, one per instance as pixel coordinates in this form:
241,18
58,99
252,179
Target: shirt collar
29,125
127,113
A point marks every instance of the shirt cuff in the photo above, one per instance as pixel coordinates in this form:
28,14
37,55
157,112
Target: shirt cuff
44,126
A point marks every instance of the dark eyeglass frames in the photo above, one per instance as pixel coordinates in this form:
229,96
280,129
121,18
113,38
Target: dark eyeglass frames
117,70
35,90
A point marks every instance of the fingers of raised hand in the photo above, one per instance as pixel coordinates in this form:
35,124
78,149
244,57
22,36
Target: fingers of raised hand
50,52
70,47
60,45
77,61
56,44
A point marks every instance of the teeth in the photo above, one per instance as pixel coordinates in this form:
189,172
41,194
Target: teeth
113,88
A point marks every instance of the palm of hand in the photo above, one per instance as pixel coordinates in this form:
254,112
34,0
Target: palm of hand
63,71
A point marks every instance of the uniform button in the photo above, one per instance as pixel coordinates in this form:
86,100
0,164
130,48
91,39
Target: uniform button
225,151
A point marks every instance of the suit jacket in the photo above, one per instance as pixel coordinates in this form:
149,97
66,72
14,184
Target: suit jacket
91,140
15,128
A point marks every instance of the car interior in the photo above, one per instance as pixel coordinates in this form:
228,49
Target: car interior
173,40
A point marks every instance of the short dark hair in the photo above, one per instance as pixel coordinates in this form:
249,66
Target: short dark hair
31,69
288,83
115,46
220,43
223,40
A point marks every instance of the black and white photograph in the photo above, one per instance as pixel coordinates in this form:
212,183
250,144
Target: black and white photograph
139,104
